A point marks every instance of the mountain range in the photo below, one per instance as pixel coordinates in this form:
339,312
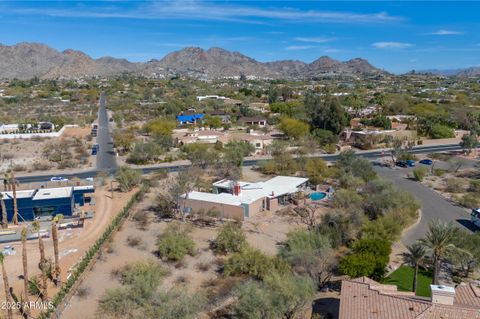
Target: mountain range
28,60
466,72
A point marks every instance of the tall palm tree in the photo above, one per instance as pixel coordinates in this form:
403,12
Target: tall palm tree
13,185
438,240
6,286
414,256
25,265
55,222
43,260
4,212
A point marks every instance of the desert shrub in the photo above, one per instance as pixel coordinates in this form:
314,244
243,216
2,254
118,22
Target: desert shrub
470,200
144,276
134,241
164,207
230,238
175,242
439,172
454,185
19,168
475,186
254,263
347,200
142,219
40,166
83,292
419,173
202,266
127,178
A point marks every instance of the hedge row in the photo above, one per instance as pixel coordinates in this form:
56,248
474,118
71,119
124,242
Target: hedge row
90,254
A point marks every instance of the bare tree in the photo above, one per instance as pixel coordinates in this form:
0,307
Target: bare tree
183,184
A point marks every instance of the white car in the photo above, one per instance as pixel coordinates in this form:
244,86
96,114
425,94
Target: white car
58,179
89,179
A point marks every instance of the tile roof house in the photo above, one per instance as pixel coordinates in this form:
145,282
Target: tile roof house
363,298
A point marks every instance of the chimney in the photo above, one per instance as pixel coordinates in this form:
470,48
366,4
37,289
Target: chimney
443,295
236,189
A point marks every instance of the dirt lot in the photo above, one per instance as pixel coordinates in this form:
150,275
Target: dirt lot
264,232
73,243
27,155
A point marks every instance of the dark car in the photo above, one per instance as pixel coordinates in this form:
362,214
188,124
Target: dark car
410,163
426,161
401,163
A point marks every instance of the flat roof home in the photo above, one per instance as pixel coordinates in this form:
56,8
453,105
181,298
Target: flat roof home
46,201
364,298
254,120
239,200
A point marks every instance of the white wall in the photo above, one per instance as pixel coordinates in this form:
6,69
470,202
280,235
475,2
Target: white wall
30,135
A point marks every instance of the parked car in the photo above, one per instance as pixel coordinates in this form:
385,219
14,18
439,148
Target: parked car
401,163
89,179
410,163
426,161
58,179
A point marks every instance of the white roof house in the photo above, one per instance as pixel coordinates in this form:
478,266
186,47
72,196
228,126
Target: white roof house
250,192
19,194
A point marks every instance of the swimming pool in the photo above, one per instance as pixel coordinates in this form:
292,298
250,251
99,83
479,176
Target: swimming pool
318,195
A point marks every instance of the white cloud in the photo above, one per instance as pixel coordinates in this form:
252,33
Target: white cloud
391,45
298,47
314,40
446,32
201,10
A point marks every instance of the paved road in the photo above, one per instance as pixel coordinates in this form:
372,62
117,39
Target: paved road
434,206
106,159
109,163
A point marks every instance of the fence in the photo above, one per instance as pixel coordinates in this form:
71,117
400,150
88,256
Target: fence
31,135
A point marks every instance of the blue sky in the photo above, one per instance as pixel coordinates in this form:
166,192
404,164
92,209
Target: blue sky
397,36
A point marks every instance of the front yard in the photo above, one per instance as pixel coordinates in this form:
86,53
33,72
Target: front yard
403,279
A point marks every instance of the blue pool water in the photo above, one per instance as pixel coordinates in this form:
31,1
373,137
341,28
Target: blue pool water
318,195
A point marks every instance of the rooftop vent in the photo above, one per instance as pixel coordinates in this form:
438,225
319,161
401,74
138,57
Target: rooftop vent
441,294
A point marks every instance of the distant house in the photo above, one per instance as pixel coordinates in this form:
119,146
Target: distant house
190,119
254,120
221,114
211,97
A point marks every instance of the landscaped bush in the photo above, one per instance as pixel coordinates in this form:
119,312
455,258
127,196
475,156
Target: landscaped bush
230,238
369,258
175,242
419,173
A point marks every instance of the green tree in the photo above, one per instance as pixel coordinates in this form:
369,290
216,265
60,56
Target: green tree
160,126
469,142
231,238
309,253
414,256
439,241
200,154
128,178
213,122
325,113
441,131
316,170
293,128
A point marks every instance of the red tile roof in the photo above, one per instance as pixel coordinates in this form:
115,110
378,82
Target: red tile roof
363,298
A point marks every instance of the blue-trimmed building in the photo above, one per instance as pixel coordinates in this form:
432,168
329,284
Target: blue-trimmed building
46,201
190,119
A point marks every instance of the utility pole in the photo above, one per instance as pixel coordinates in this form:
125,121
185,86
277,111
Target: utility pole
13,183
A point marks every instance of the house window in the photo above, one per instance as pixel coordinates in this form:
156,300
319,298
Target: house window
258,145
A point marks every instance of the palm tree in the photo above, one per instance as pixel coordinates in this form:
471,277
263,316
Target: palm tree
438,240
13,184
55,221
43,260
25,265
6,286
4,212
414,256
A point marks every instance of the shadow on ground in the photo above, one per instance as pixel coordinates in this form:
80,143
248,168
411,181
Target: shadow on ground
327,307
467,224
